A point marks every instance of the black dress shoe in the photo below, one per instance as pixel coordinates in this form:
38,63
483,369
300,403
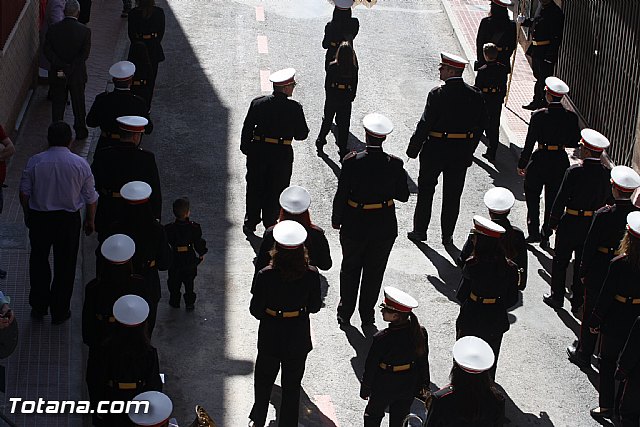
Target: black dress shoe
38,314
601,414
576,357
533,238
532,106
491,158
61,320
416,236
552,302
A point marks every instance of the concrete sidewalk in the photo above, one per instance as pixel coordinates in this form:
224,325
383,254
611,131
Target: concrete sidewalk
48,362
465,17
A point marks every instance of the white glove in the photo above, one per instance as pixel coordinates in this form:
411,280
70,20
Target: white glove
521,19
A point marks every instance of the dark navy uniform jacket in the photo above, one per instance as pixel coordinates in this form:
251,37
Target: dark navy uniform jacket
369,177
285,337
446,410
456,108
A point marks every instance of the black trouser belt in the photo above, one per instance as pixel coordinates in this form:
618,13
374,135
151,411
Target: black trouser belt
550,147
280,313
482,300
125,386
610,251
369,206
111,135
578,212
490,90
445,135
182,248
627,300
395,368
272,140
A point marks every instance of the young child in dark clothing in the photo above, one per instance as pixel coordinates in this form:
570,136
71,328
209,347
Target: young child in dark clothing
492,81
185,239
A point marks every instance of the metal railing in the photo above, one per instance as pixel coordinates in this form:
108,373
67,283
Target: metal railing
600,61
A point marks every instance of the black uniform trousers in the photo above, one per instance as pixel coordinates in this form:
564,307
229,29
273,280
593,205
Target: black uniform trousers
59,230
152,284
341,109
266,178
630,403
266,371
454,176
593,284
570,236
610,349
541,70
547,173
494,110
398,410
60,89
176,278
363,265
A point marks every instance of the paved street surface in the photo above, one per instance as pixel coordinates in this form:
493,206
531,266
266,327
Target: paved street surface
219,54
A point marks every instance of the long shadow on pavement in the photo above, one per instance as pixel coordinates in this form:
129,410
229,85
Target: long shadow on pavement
516,417
505,173
448,278
310,414
361,345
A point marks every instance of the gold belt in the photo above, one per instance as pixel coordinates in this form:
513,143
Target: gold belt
279,313
122,386
541,42
370,206
149,36
334,44
578,212
627,300
111,135
109,319
139,82
482,300
182,248
550,147
395,368
339,86
489,90
272,140
609,250
446,135
151,263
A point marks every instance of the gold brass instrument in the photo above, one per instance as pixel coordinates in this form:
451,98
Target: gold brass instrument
202,418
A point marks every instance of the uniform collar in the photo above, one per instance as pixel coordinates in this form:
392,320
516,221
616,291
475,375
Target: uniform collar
592,160
453,80
620,202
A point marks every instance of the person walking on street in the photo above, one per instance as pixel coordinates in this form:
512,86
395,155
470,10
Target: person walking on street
146,23
272,123
397,365
585,189
124,162
108,106
67,46
546,36
55,185
471,399
628,373
189,248
488,289
340,85
600,247
295,202
342,28
499,29
445,138
284,294
491,80
617,308
128,364
553,128
499,202
364,212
